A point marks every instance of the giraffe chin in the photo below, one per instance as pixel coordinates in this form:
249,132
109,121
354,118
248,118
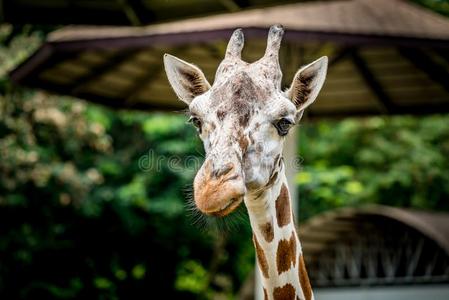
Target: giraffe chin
227,209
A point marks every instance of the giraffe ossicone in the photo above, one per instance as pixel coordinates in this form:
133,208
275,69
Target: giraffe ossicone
242,119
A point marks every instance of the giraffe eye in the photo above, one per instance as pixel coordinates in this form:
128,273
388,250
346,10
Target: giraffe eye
283,125
196,122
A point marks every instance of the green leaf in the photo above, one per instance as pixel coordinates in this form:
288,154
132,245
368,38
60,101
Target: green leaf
138,272
102,283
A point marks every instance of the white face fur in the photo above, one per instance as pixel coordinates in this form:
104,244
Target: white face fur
240,122
242,118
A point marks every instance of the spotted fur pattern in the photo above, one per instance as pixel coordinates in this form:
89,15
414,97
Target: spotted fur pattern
243,160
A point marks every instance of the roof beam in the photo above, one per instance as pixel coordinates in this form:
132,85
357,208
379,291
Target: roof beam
130,13
95,73
213,50
43,59
425,63
340,55
107,101
131,96
443,54
230,5
136,12
372,82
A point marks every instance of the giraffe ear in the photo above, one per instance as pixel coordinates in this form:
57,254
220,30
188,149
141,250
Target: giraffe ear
187,80
307,84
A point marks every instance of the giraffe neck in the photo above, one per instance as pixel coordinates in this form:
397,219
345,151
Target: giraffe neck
278,249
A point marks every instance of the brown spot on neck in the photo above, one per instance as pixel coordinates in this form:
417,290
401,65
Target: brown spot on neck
265,295
267,231
304,278
263,264
283,212
286,292
286,254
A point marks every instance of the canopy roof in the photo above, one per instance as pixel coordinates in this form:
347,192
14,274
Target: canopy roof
376,245
386,56
392,18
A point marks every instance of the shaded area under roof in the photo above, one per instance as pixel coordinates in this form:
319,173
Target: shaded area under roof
376,245
116,12
386,56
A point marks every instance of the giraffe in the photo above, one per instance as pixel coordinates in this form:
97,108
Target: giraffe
242,119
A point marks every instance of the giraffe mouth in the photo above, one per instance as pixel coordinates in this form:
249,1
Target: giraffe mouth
228,207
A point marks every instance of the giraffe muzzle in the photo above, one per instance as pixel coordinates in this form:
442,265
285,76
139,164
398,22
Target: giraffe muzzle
218,192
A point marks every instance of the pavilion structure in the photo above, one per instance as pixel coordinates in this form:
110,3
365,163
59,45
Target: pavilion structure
378,252
387,57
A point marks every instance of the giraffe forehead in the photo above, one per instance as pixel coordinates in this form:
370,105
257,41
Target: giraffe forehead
241,96
233,102
240,86
262,71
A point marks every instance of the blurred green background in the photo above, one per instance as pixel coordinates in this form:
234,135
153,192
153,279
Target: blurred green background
80,218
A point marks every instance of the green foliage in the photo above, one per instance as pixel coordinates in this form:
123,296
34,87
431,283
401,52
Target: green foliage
138,272
399,161
192,277
439,6
17,51
323,187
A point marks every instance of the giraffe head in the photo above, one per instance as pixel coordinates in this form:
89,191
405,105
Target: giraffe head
242,119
